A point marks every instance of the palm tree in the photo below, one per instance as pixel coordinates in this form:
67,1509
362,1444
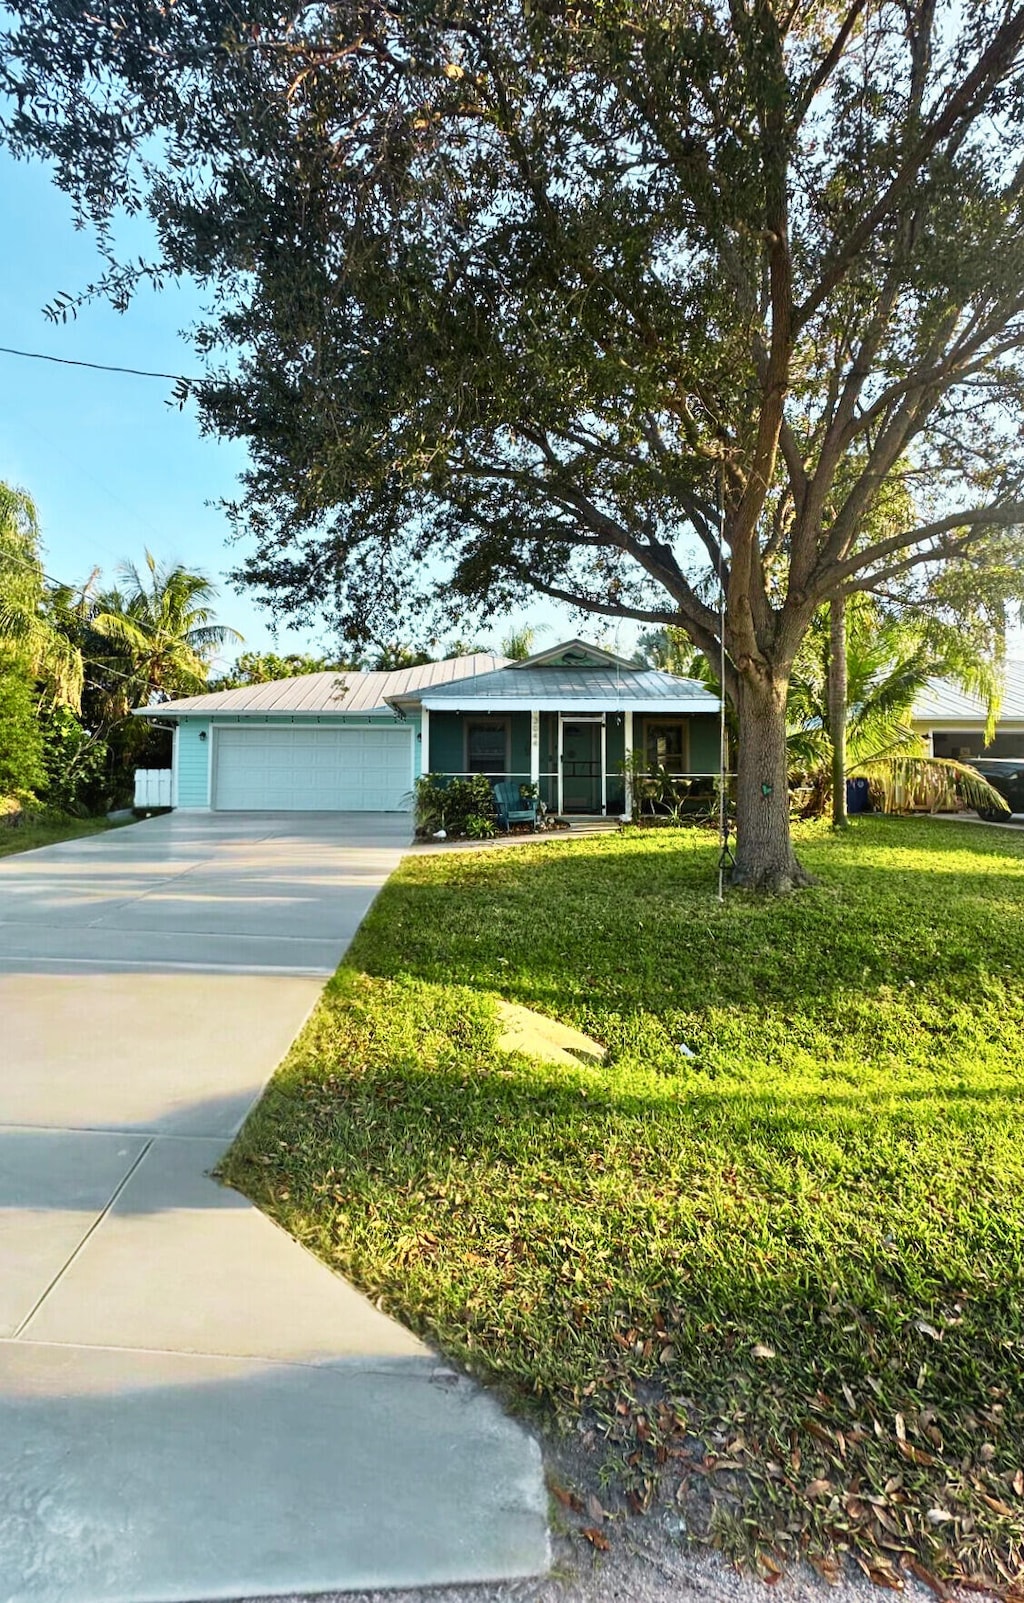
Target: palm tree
27,625
518,644
889,659
163,633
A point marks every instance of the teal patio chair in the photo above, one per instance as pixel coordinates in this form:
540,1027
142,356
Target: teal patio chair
512,806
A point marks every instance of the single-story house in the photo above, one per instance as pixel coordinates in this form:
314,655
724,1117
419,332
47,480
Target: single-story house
565,720
952,722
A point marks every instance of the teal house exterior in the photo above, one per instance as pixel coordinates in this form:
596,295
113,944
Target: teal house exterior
566,720
570,721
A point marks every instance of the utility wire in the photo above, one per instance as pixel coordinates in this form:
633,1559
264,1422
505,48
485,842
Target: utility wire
97,367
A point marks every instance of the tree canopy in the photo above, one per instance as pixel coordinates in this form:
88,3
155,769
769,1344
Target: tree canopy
604,302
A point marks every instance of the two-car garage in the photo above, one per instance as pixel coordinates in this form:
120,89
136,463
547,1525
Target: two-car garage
334,741
311,769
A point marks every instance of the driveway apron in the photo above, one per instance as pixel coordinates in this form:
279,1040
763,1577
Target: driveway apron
191,1406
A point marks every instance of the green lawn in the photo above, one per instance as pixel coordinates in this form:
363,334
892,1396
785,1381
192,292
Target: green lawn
784,1280
46,831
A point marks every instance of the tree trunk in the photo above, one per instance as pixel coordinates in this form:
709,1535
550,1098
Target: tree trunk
837,696
765,860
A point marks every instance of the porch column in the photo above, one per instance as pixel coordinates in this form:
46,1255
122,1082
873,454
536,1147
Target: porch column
425,740
535,749
627,738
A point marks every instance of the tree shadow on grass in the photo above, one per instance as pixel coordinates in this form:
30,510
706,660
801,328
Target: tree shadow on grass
619,928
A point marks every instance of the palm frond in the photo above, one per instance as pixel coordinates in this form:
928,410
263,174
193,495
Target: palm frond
903,783
122,630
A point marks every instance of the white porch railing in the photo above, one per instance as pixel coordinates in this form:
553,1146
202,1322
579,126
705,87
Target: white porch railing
153,787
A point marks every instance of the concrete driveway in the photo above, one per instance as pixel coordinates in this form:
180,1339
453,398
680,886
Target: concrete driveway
192,1407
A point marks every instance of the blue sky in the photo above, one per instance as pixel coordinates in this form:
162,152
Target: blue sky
112,467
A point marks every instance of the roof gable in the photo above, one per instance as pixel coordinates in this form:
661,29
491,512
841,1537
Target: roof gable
574,654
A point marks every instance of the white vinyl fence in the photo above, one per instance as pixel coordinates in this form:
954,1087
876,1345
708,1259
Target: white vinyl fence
152,787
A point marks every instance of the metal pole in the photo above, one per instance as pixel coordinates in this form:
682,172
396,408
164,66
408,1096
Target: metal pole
723,814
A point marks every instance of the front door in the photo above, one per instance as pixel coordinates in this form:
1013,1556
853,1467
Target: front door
581,767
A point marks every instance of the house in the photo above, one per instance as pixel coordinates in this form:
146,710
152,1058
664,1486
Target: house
952,722
564,719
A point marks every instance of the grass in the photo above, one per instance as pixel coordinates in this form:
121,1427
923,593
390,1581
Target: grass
781,1280
46,831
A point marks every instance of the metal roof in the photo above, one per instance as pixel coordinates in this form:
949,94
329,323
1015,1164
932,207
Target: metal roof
941,702
329,692
605,687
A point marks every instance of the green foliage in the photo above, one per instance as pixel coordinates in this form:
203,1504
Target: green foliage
90,657
519,644
27,628
458,806
793,1262
902,784
478,827
890,658
161,633
76,763
658,793
386,659
21,743
261,667
672,650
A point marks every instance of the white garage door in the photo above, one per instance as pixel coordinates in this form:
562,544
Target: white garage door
312,770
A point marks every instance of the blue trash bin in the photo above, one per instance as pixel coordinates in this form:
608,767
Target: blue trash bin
858,796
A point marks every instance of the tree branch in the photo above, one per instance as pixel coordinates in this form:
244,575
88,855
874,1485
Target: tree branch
992,67
980,519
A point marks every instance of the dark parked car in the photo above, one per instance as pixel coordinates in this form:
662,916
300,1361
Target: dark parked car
1006,775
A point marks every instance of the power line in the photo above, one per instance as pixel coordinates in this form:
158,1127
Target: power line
97,367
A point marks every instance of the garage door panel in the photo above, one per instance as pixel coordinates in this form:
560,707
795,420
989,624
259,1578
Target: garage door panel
321,770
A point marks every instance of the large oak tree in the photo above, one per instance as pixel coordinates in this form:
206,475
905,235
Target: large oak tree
598,300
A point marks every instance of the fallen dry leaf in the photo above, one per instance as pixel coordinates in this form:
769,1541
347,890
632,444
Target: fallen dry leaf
925,1575
596,1538
883,1575
595,1509
997,1505
566,1498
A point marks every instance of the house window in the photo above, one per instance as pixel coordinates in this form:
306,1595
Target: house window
487,746
666,744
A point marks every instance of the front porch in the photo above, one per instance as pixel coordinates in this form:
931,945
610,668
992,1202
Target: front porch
581,763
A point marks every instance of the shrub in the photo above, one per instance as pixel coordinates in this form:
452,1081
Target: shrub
478,827
21,743
449,804
75,762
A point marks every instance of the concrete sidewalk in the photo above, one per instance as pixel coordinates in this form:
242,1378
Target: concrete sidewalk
191,1406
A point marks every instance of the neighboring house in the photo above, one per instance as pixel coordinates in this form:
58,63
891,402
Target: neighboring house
564,720
953,722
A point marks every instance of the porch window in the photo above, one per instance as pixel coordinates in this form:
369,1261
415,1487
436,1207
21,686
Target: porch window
666,745
487,746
